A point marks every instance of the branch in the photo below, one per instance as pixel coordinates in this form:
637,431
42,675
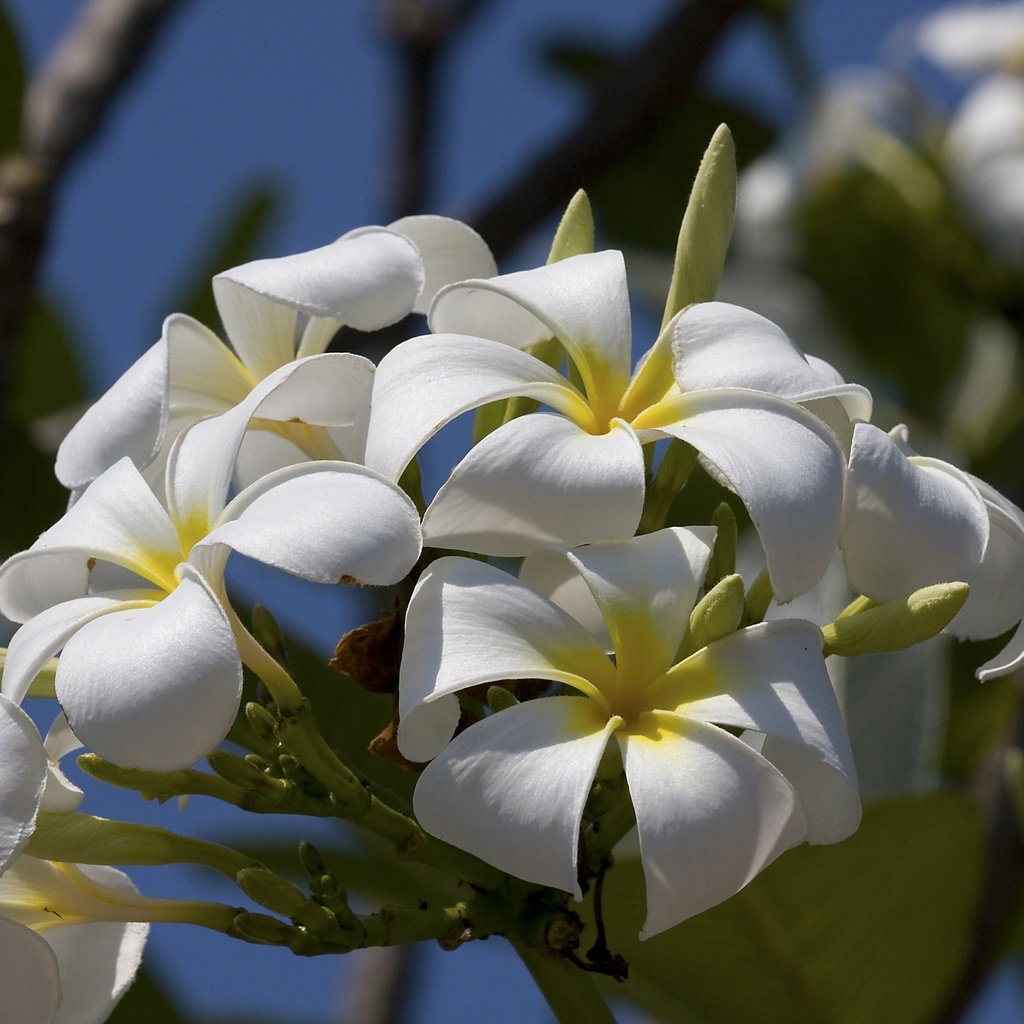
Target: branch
626,109
65,106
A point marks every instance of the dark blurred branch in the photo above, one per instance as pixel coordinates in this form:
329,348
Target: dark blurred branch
998,912
420,31
626,108
65,106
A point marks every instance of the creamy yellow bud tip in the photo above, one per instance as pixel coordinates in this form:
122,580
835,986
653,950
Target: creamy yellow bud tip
896,624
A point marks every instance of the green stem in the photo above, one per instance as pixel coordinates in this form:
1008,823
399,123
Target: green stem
759,596
570,992
85,839
674,471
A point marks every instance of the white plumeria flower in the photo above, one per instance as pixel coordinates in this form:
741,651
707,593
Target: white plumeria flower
274,311
911,521
973,38
150,673
984,150
712,809
578,476
67,955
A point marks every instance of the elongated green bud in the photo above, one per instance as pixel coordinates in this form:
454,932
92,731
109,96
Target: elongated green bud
278,894
262,722
498,698
575,234
896,624
717,613
242,772
268,634
723,557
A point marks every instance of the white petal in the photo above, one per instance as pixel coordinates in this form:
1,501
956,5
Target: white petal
1008,660
207,378
426,382
367,279
29,976
511,788
22,779
772,678
98,960
710,813
551,574
972,37
718,345
330,390
582,301
907,523
61,795
785,465
155,688
646,588
117,519
46,633
126,421
451,251
324,521
470,623
539,480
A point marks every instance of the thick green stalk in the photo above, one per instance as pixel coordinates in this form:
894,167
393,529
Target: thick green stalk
570,992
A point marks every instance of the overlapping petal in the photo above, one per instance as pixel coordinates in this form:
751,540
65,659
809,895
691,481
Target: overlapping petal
504,498
470,623
154,688
785,465
710,814
426,382
512,788
22,779
29,975
907,522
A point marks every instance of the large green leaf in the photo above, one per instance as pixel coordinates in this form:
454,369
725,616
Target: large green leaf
873,929
12,84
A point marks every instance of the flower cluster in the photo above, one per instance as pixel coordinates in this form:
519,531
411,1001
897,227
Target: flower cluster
623,650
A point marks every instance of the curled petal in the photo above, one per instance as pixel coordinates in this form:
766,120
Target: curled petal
907,523
540,480
22,779
426,382
511,788
785,465
155,688
367,279
451,251
646,588
29,976
1008,660
46,633
771,678
582,301
126,421
718,345
470,623
324,521
117,519
710,813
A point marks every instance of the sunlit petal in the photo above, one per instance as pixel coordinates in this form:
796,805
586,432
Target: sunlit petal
646,588
206,376
710,812
718,345
426,382
324,521
540,480
470,623
451,251
583,301
126,421
140,690
785,465
907,523
511,788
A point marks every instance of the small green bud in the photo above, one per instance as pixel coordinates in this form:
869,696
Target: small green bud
498,698
262,929
312,861
896,624
262,722
717,613
278,894
243,773
575,233
723,557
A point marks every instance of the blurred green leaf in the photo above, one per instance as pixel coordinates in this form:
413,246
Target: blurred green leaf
871,929
47,378
235,240
12,84
146,1000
